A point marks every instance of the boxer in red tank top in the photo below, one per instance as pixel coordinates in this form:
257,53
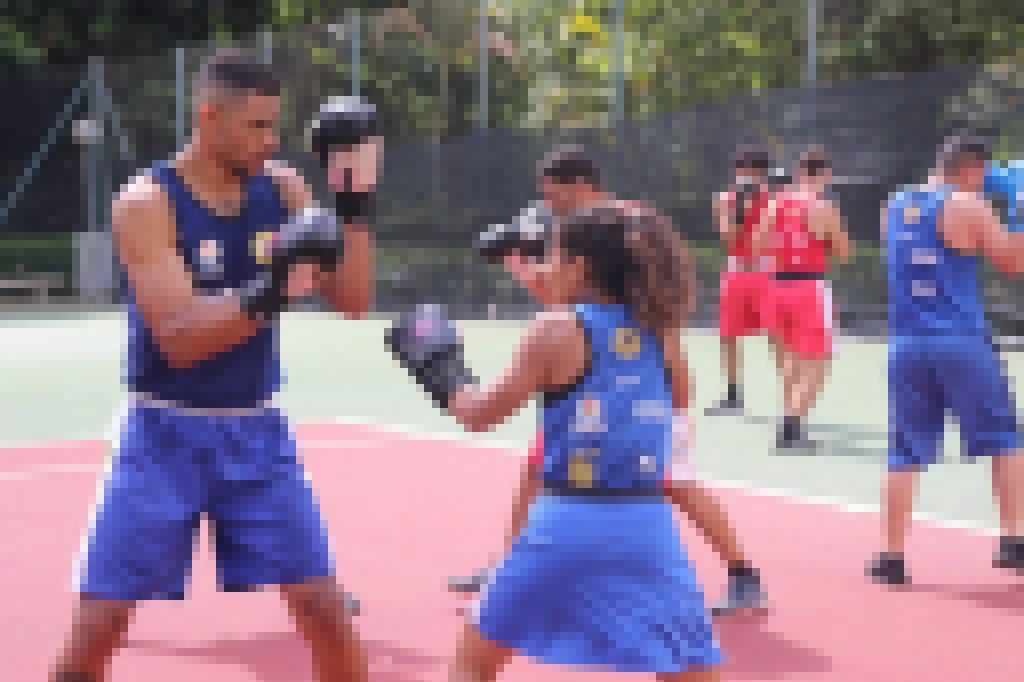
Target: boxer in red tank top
569,180
744,282
801,232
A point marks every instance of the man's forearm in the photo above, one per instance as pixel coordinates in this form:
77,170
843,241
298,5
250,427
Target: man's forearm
208,326
349,289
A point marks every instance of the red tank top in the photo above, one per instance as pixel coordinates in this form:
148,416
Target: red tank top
742,249
793,247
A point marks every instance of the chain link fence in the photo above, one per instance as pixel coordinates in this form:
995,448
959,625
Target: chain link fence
444,176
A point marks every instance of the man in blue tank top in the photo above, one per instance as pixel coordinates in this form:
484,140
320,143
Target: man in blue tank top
213,245
941,356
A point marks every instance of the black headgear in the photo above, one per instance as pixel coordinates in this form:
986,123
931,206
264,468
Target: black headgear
342,121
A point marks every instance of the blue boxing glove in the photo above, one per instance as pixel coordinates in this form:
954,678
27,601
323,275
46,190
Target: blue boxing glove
313,236
429,346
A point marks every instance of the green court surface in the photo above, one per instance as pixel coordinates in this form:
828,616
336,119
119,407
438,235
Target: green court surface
61,381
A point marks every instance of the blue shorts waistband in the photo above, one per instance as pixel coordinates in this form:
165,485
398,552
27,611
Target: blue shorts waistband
605,494
144,400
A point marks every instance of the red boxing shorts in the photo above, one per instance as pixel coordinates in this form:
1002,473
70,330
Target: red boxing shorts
741,305
801,316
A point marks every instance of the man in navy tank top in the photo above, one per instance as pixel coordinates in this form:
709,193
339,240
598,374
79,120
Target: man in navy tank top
213,245
941,356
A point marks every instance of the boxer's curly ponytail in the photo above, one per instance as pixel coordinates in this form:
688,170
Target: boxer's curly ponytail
635,257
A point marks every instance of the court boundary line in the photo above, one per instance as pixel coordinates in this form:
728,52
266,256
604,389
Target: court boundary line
508,447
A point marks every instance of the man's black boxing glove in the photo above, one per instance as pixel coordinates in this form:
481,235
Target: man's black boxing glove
528,234
744,191
310,236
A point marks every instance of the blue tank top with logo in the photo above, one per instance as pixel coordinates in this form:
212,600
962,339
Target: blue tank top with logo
221,253
613,428
933,289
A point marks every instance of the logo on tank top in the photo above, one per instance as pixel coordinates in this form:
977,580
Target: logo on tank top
261,245
648,464
588,416
581,467
209,256
627,343
658,411
911,214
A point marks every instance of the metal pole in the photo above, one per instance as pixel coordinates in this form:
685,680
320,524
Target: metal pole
103,179
357,66
812,41
268,46
485,51
620,82
88,253
483,108
812,69
92,150
179,96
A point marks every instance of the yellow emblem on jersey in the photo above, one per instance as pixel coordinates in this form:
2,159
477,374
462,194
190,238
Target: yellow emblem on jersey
581,469
261,247
911,214
627,342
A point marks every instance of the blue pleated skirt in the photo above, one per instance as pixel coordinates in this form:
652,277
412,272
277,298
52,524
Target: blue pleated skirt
604,585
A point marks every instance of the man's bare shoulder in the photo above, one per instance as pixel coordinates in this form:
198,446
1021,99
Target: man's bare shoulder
141,197
556,317
964,206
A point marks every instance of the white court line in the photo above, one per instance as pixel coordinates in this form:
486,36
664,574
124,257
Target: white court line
509,447
38,472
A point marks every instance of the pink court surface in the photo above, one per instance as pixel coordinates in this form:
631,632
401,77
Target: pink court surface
407,511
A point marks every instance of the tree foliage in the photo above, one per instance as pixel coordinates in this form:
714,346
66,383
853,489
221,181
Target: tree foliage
71,30
550,61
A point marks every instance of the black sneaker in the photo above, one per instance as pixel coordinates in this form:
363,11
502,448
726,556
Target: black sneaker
743,592
352,604
888,569
469,584
796,444
1010,554
726,407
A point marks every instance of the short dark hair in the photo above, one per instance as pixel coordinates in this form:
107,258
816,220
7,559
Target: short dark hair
237,72
814,161
752,156
961,149
570,164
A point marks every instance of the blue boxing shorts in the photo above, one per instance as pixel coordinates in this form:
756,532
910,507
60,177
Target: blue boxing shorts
929,376
168,469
